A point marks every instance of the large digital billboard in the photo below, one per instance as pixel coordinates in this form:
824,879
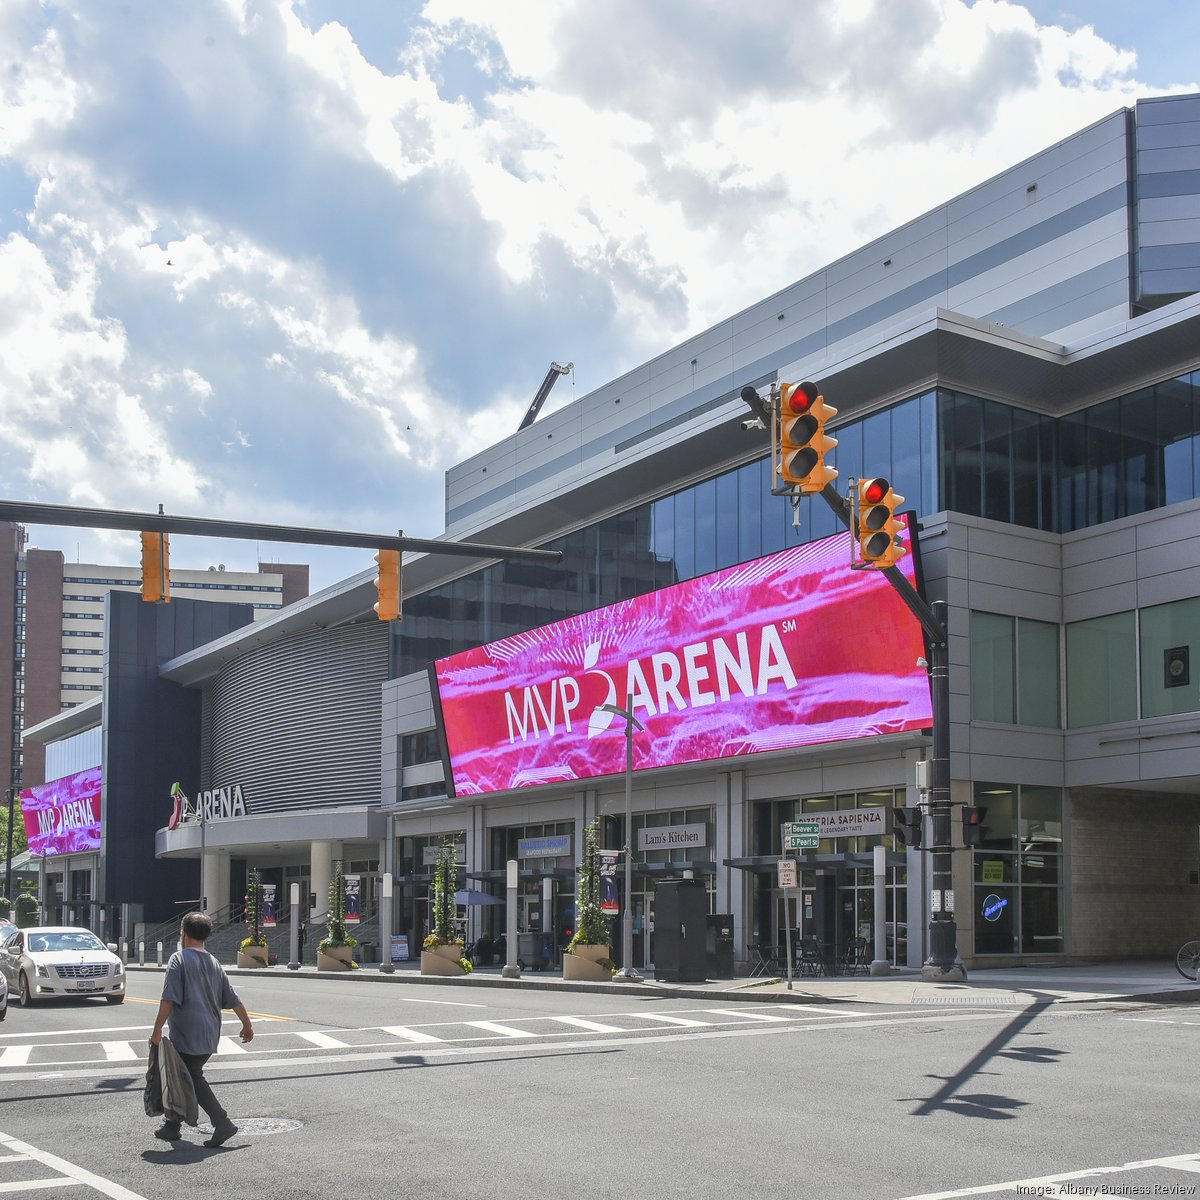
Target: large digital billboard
785,651
63,817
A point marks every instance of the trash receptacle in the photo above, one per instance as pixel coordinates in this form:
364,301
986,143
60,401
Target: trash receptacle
368,952
529,951
720,945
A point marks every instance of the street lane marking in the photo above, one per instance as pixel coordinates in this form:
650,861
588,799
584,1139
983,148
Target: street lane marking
1039,1185
120,1052
409,1035
594,1026
517,1048
748,1016
322,1039
503,1030
228,1046
15,1056
685,1021
74,1174
29,1185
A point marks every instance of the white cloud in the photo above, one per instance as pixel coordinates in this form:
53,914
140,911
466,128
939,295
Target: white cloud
279,268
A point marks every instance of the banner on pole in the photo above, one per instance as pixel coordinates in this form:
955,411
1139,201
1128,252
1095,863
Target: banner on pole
608,882
353,904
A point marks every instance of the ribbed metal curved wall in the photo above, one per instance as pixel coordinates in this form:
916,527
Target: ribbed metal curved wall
297,723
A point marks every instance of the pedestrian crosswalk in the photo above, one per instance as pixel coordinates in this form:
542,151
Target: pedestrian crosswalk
74,1048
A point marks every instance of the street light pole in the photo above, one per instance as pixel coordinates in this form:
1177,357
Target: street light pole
12,804
627,973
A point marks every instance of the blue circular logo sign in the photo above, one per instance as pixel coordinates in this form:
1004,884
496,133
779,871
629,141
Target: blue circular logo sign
993,907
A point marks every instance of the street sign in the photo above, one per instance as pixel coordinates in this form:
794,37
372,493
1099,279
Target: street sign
801,835
787,872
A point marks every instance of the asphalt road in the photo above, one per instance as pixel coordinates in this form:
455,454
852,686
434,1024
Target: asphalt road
404,1090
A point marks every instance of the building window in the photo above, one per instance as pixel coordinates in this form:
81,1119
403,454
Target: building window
1015,678
421,747
1168,634
1017,870
1102,670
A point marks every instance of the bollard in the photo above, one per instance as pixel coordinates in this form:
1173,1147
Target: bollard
160,954
141,953
124,951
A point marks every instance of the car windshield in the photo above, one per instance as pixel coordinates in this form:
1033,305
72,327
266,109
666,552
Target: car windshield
70,940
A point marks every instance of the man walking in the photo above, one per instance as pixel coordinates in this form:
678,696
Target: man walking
195,991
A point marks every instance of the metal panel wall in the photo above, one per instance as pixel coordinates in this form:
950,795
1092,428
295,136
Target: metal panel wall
1043,247
297,723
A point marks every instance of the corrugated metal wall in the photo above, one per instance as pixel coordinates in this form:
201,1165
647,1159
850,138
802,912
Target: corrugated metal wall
297,723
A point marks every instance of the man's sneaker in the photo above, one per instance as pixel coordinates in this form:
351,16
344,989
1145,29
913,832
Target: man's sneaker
222,1133
168,1132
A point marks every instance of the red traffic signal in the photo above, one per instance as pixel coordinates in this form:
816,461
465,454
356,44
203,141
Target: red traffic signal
878,530
803,442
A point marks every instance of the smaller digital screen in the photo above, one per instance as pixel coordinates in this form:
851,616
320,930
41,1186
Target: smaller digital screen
63,816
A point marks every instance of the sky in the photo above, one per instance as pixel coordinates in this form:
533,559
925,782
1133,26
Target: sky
285,261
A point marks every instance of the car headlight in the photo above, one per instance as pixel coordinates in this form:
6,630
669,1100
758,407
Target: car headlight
119,968
41,969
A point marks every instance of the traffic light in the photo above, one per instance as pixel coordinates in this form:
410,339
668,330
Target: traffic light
906,827
878,529
387,584
973,827
156,568
803,442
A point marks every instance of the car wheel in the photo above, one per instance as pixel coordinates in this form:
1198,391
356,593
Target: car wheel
26,996
116,999
4,1010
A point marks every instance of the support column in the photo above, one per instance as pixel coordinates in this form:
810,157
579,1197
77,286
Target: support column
321,875
210,875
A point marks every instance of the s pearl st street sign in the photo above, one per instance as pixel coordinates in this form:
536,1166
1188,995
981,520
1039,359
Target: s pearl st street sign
801,835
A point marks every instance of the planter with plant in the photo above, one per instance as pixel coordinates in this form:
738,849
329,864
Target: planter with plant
587,956
27,909
252,950
442,952
335,951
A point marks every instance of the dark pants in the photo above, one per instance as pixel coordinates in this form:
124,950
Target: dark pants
204,1093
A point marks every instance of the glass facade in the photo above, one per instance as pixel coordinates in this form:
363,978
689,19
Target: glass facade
1014,670
1018,870
941,450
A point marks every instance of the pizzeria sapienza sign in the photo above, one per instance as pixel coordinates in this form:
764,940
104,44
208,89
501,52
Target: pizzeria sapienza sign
853,822
672,837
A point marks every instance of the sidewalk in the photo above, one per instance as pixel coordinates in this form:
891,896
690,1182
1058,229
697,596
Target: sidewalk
1147,979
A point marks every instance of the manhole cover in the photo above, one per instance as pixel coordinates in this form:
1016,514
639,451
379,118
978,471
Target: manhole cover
256,1126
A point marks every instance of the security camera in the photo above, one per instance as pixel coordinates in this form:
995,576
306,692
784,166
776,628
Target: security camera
753,423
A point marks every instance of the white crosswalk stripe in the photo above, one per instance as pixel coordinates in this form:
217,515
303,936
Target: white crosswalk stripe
747,1016
409,1035
120,1052
683,1022
15,1056
228,1046
503,1030
324,1040
594,1026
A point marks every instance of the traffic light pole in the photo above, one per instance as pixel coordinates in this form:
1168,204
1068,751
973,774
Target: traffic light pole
943,963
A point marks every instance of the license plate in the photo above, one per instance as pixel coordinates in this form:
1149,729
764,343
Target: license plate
86,987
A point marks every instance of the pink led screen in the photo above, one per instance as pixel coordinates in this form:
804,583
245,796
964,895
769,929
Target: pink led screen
785,651
63,817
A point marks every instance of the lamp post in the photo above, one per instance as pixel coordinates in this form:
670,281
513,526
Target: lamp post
12,804
627,973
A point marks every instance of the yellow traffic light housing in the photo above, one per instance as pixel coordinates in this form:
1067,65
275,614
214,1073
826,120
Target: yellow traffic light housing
878,531
387,584
803,442
156,568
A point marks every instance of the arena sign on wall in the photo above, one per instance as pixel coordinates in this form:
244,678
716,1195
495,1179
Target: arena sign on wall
785,651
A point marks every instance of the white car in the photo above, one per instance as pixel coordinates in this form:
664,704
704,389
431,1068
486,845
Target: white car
46,961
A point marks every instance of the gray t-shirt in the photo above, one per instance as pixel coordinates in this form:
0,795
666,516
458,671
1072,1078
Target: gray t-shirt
199,988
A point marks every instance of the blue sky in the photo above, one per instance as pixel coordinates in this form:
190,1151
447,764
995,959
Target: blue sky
287,260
